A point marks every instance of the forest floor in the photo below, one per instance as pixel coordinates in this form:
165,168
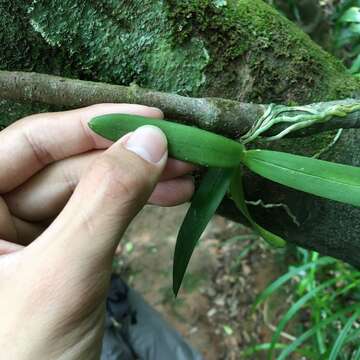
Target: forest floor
229,268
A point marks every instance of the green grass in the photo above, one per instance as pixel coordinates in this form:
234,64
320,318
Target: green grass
346,33
344,23
327,293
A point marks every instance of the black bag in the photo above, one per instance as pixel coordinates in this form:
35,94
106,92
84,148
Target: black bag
134,330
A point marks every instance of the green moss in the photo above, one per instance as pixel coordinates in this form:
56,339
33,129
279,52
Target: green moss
257,54
217,24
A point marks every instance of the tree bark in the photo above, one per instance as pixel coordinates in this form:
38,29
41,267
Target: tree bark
239,50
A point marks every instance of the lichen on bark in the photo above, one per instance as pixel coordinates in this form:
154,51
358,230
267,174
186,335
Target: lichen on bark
122,42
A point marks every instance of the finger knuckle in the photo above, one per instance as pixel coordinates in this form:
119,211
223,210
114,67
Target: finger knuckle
118,181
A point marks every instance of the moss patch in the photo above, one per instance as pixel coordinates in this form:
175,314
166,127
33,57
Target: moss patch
258,55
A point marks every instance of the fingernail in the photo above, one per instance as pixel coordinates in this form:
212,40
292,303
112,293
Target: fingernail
149,142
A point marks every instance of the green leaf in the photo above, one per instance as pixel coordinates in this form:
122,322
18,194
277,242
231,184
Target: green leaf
323,261
341,339
345,37
238,196
264,347
322,178
357,354
355,68
306,335
294,309
203,206
355,29
354,337
185,142
351,15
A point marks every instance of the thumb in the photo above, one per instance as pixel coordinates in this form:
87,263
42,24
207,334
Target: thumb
117,185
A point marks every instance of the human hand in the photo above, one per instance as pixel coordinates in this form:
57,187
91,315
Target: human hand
65,202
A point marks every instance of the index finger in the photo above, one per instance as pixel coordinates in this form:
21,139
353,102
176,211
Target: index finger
32,143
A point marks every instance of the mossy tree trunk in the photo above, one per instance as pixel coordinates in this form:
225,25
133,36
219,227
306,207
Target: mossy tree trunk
236,49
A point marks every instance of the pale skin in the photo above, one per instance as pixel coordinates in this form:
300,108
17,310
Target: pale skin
66,197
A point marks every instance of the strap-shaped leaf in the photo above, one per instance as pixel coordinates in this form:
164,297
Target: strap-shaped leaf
322,178
186,143
294,309
341,339
206,200
309,333
238,196
351,15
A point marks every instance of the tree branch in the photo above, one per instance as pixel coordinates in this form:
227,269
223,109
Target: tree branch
209,113
224,116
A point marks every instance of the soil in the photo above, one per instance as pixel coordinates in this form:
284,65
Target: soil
229,268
